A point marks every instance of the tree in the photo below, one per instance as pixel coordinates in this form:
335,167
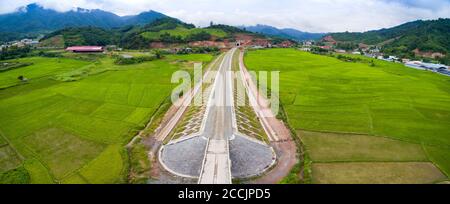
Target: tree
199,36
14,52
158,54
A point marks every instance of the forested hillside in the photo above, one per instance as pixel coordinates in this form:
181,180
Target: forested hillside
426,36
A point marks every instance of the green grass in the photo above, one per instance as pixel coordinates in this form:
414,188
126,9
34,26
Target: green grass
324,94
8,159
190,57
140,165
41,68
332,147
441,157
70,110
106,168
61,151
15,176
75,179
38,173
376,173
2,141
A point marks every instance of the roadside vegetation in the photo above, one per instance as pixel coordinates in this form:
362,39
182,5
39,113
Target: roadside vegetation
72,118
350,115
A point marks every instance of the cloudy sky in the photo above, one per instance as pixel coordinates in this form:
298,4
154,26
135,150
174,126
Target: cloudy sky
306,15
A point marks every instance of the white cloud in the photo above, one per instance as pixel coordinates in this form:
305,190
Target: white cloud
307,15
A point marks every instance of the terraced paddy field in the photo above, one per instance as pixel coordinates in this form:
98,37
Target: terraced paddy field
70,122
360,123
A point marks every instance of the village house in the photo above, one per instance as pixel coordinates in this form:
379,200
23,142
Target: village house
286,44
340,51
326,47
306,49
261,42
308,43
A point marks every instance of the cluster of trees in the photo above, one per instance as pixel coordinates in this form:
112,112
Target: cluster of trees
346,58
318,50
228,29
49,54
134,60
201,50
15,176
166,24
86,36
120,60
14,52
444,60
346,46
167,38
199,36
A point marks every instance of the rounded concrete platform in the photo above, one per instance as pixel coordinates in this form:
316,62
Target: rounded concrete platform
184,158
249,158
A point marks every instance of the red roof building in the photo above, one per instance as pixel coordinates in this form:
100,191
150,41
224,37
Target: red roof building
85,49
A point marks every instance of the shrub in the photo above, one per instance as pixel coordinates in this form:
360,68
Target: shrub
15,176
134,60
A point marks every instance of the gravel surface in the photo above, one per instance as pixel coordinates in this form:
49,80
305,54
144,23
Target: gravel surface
249,158
185,157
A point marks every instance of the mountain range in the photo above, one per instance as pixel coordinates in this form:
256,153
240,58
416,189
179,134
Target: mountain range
34,18
288,33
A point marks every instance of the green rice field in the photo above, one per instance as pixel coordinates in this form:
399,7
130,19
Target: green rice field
70,121
351,115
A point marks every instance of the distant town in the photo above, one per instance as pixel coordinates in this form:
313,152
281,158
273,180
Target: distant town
328,44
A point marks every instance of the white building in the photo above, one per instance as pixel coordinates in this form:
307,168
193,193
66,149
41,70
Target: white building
306,49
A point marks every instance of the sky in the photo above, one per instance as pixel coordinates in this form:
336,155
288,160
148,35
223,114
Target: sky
305,15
